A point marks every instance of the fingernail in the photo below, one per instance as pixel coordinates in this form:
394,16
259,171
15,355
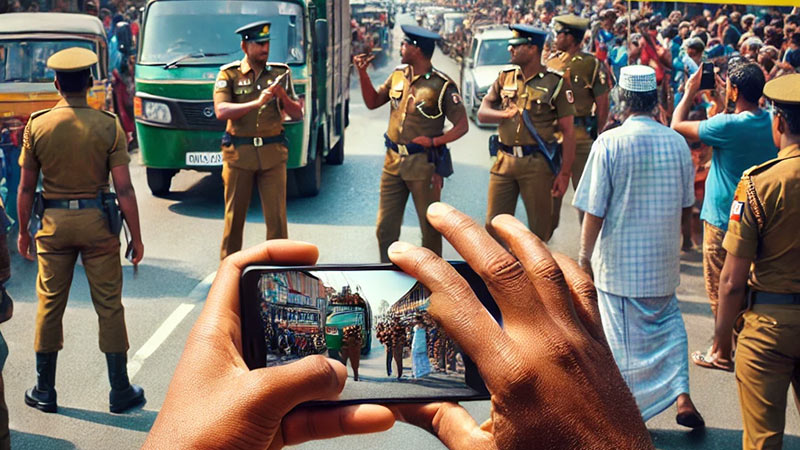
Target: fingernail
438,209
399,247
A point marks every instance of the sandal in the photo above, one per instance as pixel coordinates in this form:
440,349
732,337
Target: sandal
706,361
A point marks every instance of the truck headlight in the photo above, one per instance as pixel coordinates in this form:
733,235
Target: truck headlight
152,111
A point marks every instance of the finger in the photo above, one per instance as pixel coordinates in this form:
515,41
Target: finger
501,272
224,292
274,391
307,424
449,422
454,306
541,268
584,296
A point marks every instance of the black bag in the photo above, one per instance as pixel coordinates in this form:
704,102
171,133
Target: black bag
440,157
494,145
111,211
35,222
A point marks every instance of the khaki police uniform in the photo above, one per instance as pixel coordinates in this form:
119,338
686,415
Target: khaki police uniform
75,147
419,105
763,226
257,154
547,97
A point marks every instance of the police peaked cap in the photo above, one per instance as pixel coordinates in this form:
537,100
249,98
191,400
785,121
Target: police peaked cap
255,32
526,34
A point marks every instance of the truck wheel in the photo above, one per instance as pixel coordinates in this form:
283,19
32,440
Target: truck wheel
159,180
308,179
336,153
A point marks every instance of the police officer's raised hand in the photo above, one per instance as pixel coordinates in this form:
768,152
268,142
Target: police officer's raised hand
550,372
265,97
511,111
214,401
362,61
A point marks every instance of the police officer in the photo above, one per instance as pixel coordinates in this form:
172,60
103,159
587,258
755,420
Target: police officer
589,81
763,251
75,147
253,95
421,98
527,98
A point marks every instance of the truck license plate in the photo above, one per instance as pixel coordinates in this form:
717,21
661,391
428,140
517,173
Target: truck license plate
203,159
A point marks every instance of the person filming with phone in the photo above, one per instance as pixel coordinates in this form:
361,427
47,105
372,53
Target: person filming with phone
561,392
74,147
740,140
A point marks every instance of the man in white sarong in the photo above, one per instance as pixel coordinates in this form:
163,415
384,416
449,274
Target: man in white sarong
637,184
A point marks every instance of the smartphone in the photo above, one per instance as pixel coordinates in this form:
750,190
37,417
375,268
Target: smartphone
372,317
707,80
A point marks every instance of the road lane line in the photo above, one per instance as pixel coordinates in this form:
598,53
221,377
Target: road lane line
158,338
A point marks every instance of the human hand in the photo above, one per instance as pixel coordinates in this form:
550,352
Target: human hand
437,181
138,252
560,185
362,61
24,245
425,141
215,401
693,83
266,95
586,264
511,111
552,377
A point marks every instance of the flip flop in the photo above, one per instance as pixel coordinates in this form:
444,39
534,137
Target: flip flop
706,361
691,419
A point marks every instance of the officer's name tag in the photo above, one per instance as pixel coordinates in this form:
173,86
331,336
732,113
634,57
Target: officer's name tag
203,159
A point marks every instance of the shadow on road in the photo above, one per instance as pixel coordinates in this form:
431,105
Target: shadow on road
135,420
349,195
707,439
694,308
23,441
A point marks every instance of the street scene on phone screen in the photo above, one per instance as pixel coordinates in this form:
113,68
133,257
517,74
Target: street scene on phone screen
646,141
374,321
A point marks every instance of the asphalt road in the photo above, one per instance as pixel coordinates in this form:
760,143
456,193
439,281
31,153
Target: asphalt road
182,235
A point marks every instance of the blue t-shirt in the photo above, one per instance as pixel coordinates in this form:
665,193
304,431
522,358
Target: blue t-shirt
739,142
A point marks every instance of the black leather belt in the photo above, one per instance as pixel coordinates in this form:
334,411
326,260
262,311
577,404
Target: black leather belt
771,298
404,149
76,203
258,141
518,150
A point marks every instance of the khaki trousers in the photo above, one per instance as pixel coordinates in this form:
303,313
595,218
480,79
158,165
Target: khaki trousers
392,204
5,434
713,260
65,234
271,183
767,361
530,177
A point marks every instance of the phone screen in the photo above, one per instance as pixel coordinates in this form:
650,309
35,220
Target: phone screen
373,318
707,80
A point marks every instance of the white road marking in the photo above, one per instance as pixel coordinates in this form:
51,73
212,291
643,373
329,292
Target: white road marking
158,338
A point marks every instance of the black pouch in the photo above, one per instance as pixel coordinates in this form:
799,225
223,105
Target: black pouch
440,157
494,145
35,222
111,211
226,140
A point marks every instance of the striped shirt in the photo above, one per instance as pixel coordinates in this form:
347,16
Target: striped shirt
638,178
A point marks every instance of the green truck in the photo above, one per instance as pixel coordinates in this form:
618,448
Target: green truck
182,45
341,316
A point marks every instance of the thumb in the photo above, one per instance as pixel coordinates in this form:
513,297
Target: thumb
279,389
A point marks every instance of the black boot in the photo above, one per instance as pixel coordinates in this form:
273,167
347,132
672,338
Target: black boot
43,395
123,395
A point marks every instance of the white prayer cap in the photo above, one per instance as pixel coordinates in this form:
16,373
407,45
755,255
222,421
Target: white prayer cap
637,78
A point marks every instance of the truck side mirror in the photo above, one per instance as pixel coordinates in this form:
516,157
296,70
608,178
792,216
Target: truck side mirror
321,38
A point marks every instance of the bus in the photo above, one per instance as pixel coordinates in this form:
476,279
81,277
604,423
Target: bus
183,44
345,310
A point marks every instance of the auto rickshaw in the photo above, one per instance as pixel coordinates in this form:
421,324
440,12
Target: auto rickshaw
27,40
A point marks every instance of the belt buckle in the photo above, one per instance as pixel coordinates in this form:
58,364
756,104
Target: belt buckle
401,148
518,151
258,142
74,204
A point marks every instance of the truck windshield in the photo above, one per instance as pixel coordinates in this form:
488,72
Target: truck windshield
176,28
493,52
25,61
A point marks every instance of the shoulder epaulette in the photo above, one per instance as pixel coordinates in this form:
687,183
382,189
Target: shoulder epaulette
442,75
231,65
554,71
39,113
763,166
281,65
108,113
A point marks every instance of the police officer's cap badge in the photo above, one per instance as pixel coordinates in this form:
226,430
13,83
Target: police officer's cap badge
456,98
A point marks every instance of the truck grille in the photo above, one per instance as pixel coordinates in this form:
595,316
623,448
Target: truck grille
196,115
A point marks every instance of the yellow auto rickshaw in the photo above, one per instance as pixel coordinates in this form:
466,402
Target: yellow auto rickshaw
27,40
